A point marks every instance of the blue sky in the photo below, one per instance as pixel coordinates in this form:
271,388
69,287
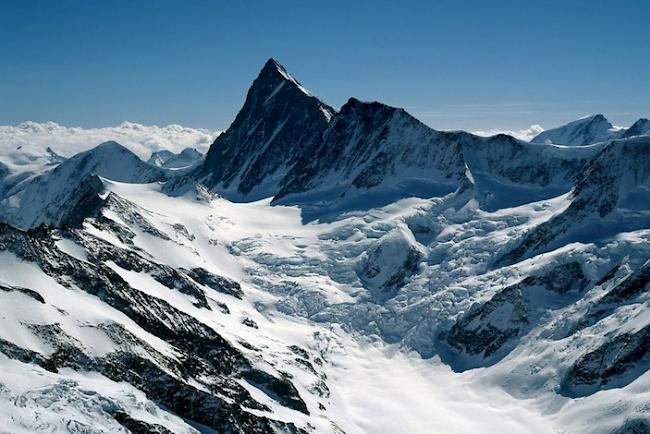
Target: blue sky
453,64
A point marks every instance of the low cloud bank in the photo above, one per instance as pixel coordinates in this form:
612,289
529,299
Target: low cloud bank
67,141
525,134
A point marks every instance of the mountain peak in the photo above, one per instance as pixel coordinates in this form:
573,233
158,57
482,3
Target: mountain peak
279,121
598,118
638,128
273,72
110,146
354,104
586,130
272,64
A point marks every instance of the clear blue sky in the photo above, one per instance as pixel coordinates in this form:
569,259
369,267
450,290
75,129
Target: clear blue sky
453,64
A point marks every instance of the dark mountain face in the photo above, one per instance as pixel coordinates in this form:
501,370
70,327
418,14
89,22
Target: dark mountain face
639,128
285,141
278,124
368,144
287,144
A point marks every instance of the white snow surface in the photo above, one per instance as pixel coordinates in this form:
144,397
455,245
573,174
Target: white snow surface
586,130
302,287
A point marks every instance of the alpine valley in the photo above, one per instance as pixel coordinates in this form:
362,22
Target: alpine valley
329,271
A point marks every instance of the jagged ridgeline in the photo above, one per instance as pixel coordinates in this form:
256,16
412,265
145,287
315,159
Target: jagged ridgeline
272,284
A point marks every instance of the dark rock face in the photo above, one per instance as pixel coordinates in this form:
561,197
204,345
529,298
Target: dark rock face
639,128
81,203
490,331
623,293
137,426
372,267
218,283
408,268
616,363
250,323
282,390
287,144
26,291
278,124
632,286
367,143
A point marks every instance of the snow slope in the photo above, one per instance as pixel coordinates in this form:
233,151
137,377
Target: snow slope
41,199
591,129
321,359
310,309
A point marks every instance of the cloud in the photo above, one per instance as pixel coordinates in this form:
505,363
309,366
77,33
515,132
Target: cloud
525,134
34,138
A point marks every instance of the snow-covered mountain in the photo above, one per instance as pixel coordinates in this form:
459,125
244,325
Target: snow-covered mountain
168,160
591,129
40,199
331,271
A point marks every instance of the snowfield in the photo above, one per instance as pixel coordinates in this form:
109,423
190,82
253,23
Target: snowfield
290,271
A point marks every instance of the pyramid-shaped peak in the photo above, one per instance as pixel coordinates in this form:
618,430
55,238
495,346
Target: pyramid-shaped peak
638,128
273,64
274,72
279,121
586,130
598,118
595,119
